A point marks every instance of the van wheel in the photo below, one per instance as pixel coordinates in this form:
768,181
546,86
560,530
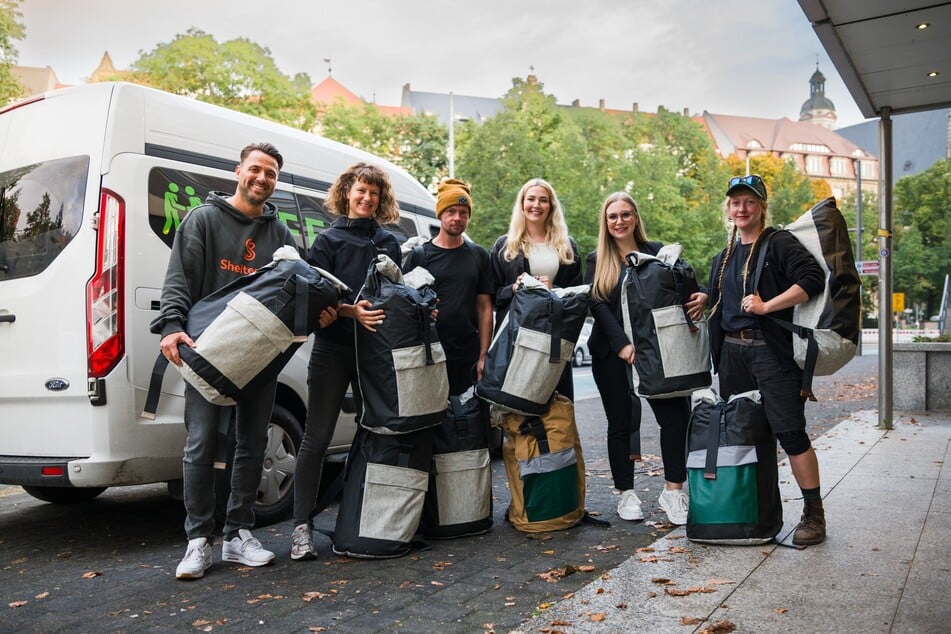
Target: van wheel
578,360
275,496
64,495
275,499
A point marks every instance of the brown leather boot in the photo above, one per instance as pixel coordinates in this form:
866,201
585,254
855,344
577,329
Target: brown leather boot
812,527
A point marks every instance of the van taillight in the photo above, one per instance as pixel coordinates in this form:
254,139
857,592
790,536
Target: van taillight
105,295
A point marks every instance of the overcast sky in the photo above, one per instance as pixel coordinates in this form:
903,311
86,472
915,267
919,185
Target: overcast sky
724,56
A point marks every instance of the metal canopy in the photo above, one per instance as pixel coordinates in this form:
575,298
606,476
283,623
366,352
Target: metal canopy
881,54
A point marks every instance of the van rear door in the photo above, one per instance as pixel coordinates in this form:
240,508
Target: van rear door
49,195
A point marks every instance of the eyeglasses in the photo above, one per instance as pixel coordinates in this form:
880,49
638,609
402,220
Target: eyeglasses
752,180
623,216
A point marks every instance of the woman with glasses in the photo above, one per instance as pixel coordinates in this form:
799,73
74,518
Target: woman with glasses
751,353
612,357
536,244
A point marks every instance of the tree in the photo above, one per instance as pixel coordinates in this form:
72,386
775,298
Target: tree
11,28
416,143
237,74
922,240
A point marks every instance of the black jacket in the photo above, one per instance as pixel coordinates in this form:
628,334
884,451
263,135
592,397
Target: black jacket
346,250
607,335
504,274
787,263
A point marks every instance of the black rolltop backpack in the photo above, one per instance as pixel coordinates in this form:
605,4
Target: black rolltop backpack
673,351
732,472
532,345
405,389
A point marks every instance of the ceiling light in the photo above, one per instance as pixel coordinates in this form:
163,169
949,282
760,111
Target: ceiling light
922,26
933,73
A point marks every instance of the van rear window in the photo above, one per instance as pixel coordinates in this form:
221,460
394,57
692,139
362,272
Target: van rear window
41,210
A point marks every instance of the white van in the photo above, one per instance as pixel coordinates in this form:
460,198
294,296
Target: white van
93,183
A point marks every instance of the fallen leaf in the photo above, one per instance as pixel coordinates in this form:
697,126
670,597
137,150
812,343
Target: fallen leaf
621,606
690,620
720,627
599,591
441,565
781,610
597,617
548,552
676,592
310,596
17,604
663,580
545,606
42,595
436,583
560,623
21,560
720,582
316,628
200,623
677,549
702,590
644,549
91,574
650,559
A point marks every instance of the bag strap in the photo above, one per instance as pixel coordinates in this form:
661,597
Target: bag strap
713,441
679,288
155,387
803,332
556,311
301,301
533,425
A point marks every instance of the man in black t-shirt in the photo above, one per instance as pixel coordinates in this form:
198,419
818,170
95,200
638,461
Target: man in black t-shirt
463,285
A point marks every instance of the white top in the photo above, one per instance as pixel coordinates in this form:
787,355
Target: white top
543,260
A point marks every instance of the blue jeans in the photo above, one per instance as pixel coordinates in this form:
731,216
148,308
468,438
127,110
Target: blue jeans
201,424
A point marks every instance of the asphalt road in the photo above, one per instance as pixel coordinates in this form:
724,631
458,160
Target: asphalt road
109,565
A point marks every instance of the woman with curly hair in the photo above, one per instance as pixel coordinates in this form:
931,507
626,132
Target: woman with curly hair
362,199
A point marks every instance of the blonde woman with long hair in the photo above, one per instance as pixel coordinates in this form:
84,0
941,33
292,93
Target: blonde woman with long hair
537,244
751,353
620,232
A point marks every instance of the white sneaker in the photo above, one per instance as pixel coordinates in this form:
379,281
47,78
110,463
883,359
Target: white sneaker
245,549
675,503
302,543
196,561
629,508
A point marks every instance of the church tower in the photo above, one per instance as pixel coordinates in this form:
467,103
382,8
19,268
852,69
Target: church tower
818,109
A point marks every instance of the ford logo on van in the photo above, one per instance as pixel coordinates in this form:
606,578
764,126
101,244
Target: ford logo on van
57,385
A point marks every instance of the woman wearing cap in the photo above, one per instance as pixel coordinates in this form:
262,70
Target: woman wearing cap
362,199
620,232
536,244
751,353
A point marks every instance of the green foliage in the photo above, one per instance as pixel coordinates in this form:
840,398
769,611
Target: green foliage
237,74
944,337
11,29
416,143
922,234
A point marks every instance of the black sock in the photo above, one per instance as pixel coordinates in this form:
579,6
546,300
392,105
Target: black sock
810,494
231,535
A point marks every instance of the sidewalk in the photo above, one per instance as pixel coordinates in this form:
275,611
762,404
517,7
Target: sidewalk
885,567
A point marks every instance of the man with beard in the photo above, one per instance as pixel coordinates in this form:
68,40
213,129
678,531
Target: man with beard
463,285
216,243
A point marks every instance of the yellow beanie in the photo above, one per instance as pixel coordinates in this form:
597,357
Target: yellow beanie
452,192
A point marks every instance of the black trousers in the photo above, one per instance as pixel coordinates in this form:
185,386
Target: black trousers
623,411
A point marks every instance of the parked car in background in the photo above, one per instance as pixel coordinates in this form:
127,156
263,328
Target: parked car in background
582,356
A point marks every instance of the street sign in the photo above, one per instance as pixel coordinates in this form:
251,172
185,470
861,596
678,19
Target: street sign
867,267
898,302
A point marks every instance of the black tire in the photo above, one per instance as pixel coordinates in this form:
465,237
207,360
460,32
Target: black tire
578,359
275,496
64,495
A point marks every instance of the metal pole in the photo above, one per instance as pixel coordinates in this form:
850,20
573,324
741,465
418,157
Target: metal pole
858,237
452,139
885,380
